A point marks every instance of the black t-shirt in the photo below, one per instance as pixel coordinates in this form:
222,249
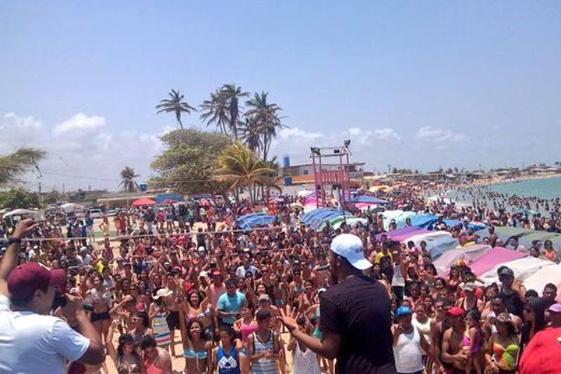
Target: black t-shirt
359,310
513,303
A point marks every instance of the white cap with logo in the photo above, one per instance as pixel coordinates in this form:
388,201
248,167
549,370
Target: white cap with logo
350,247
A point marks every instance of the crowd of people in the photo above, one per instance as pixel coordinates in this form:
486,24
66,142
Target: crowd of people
226,296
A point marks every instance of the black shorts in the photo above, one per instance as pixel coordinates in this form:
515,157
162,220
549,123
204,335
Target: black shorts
99,316
173,320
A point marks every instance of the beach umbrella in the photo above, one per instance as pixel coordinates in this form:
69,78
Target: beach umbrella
351,221
523,268
451,257
494,256
538,280
143,201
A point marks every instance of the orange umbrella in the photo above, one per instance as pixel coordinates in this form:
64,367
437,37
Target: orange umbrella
143,201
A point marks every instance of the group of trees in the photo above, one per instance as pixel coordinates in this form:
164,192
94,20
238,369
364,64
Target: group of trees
234,156
255,124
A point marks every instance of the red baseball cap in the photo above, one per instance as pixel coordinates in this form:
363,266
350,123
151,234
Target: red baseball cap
456,311
27,278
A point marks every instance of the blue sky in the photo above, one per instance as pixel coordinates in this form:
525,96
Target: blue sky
412,84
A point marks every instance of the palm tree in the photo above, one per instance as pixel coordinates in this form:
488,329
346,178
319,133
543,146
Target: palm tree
232,95
127,180
251,134
239,166
216,111
176,105
266,118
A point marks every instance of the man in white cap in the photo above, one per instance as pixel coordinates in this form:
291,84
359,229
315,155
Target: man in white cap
355,314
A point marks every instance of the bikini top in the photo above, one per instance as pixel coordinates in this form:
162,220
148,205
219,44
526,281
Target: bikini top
191,353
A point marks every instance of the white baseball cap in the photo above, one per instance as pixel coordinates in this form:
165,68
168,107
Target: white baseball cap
350,247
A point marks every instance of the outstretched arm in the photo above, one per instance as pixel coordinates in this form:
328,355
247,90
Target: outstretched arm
10,259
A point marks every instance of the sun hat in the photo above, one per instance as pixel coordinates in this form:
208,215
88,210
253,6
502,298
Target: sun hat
163,292
404,310
350,247
27,278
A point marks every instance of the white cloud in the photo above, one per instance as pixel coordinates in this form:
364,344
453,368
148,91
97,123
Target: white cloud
295,132
80,151
438,135
386,133
80,123
355,131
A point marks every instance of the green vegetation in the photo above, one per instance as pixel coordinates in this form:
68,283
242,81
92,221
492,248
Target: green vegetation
14,165
17,198
239,167
128,183
232,157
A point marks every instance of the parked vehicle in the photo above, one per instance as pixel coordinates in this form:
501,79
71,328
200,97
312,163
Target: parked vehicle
96,213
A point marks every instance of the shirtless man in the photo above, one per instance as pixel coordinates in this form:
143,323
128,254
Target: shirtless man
436,331
453,357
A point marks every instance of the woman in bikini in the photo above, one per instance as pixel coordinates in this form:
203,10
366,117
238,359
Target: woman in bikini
197,349
125,357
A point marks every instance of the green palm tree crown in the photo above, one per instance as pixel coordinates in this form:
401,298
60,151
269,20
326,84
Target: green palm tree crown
265,119
239,166
223,109
250,134
233,93
175,104
127,180
216,111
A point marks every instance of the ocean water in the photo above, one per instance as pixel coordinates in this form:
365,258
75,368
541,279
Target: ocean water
547,188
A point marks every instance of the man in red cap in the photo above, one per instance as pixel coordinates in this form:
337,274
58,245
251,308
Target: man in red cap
453,358
32,341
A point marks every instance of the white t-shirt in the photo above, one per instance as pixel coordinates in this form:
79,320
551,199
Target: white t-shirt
31,343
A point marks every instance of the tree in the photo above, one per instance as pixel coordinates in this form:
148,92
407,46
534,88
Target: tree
250,134
266,119
175,104
216,111
239,166
14,165
52,197
188,163
232,95
18,163
17,198
127,180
